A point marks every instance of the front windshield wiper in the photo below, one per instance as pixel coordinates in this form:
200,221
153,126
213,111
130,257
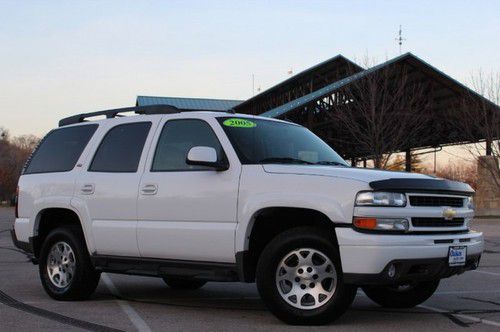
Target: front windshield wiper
284,160
326,162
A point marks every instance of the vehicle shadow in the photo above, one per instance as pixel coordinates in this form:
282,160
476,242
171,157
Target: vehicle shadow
237,298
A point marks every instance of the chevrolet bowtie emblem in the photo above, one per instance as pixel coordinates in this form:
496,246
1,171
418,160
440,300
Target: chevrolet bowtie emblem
449,213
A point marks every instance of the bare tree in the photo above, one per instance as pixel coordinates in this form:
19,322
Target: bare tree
4,134
459,171
386,111
398,163
479,120
13,154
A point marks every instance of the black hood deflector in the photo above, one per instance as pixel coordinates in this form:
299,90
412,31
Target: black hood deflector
440,186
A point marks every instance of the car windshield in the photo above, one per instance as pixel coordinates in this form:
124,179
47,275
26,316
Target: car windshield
258,141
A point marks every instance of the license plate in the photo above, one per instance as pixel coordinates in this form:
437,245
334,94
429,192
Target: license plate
457,256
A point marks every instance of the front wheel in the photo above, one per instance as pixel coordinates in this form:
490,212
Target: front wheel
299,277
402,296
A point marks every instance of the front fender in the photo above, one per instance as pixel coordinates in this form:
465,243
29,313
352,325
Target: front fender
252,206
332,196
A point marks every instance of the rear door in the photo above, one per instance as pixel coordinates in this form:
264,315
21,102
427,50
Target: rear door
188,212
108,186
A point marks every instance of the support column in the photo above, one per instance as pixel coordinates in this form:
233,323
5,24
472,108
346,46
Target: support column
488,148
408,160
364,162
353,162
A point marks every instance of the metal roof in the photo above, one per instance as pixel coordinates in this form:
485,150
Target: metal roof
416,61
326,65
200,104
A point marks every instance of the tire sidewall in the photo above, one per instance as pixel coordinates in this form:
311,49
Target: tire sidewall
266,278
58,235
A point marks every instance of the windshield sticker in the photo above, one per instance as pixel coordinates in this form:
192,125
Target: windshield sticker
239,123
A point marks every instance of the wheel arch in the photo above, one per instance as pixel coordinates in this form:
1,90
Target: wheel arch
267,223
50,218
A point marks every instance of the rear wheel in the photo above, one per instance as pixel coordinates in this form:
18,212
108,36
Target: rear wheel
64,265
402,296
299,277
187,284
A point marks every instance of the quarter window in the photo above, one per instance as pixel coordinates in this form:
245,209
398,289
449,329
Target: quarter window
60,149
177,138
121,148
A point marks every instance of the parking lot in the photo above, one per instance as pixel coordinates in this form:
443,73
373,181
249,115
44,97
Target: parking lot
128,303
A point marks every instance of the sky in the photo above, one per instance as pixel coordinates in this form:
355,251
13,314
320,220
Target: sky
59,58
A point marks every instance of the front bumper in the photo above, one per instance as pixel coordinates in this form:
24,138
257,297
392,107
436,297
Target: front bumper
413,270
366,257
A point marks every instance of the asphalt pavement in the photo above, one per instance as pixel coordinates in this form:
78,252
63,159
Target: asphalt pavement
128,303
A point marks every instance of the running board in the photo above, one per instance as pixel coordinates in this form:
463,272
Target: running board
208,271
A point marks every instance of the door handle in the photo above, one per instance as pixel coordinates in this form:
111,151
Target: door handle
87,189
149,189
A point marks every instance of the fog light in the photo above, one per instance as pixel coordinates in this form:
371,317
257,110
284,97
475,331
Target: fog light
391,272
402,225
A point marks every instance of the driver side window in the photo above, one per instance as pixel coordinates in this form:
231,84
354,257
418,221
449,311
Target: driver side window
177,138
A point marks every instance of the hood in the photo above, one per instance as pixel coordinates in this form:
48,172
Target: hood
360,174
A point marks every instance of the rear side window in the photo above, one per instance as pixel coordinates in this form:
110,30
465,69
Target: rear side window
60,149
121,148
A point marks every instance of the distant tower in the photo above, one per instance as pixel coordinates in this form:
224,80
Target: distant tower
400,39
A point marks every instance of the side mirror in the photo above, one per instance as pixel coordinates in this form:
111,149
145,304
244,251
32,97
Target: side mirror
205,156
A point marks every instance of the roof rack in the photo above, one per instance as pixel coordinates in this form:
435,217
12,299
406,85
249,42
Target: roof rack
149,109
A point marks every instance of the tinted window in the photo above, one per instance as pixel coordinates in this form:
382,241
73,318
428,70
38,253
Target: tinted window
177,138
60,149
260,141
121,148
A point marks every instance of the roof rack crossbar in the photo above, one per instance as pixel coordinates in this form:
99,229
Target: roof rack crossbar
109,114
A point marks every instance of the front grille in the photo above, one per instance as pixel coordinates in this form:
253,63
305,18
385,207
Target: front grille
436,201
437,222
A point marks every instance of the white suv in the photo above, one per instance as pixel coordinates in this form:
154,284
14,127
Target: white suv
193,197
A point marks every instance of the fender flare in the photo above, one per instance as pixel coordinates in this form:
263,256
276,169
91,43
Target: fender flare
251,209
60,203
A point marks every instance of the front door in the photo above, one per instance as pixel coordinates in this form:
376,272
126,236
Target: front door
187,212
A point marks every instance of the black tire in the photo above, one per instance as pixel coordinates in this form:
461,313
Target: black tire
275,251
84,279
401,297
184,284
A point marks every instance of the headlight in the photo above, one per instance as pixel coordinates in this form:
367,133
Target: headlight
379,198
469,203
382,224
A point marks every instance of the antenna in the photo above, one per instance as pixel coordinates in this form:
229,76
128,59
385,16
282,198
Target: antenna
400,38
253,85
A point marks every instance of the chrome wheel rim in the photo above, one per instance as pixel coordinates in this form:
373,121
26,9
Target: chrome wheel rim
306,278
61,264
